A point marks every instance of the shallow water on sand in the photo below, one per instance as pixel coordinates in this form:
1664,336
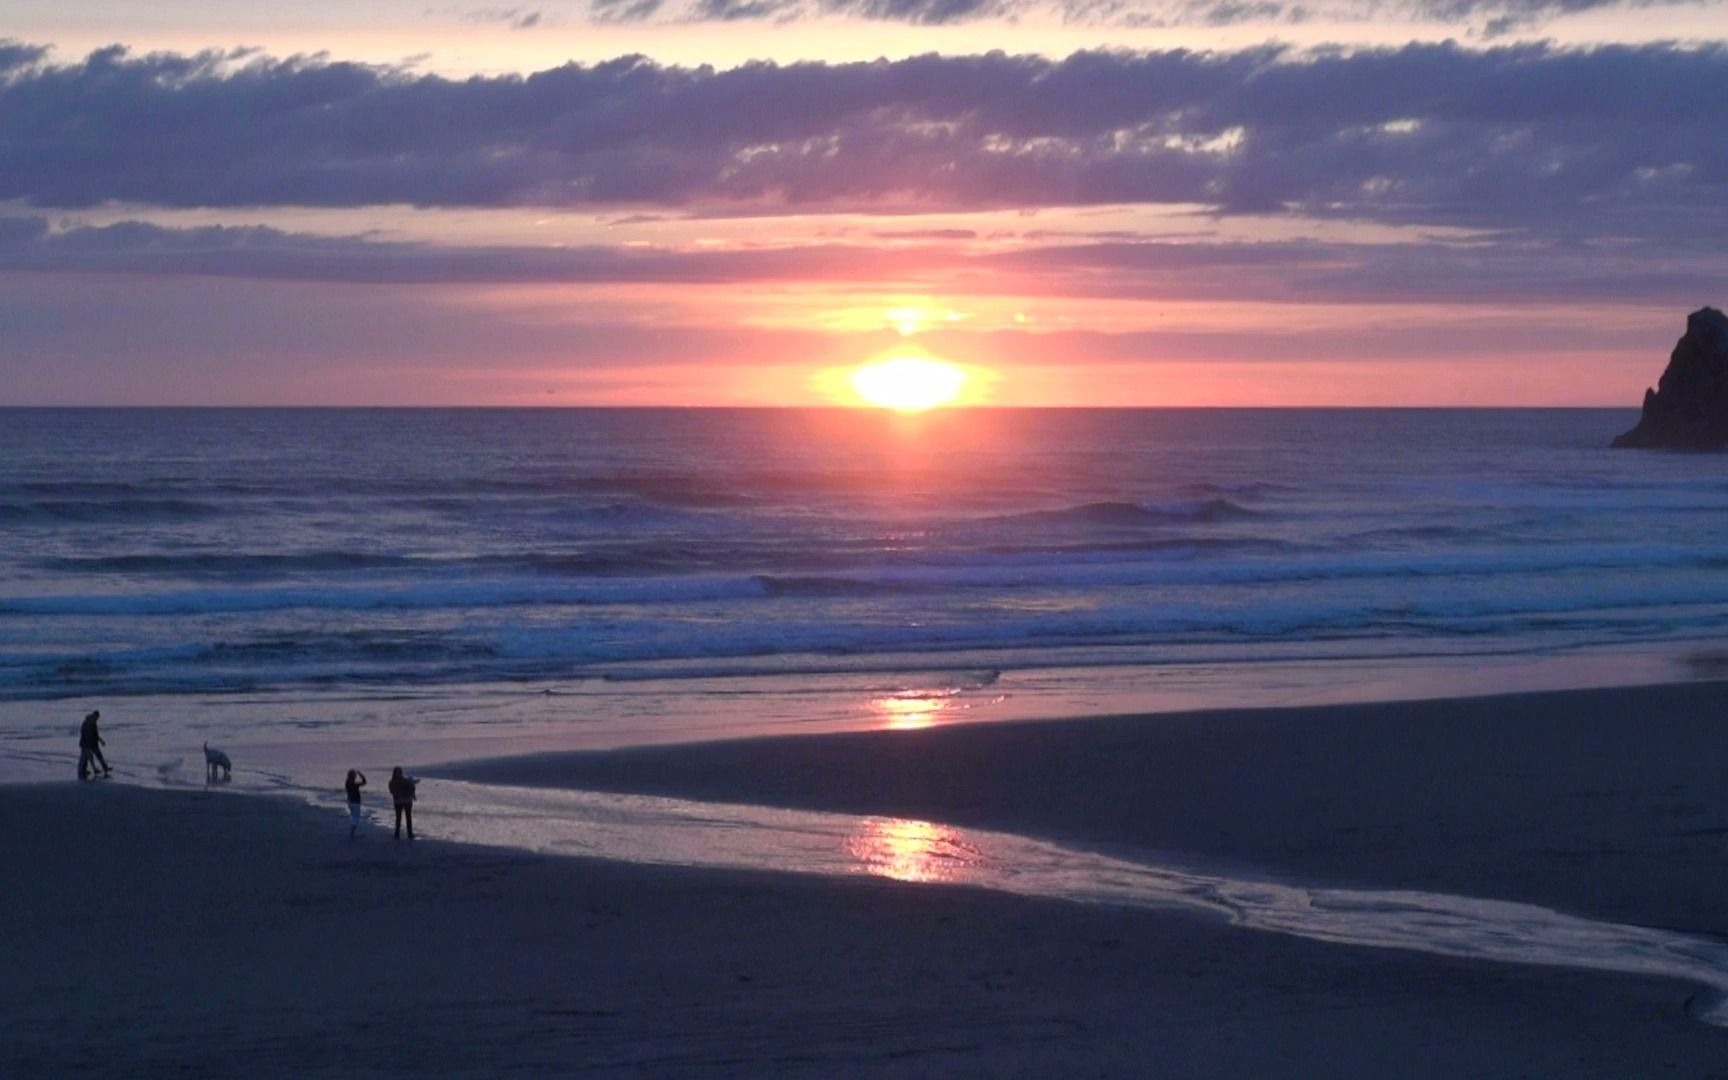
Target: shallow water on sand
726,836
647,829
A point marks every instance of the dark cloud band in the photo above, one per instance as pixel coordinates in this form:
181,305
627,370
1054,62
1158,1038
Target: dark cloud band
1489,17
1534,135
1503,270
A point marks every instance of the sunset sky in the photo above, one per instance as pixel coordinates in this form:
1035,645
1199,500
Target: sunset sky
726,202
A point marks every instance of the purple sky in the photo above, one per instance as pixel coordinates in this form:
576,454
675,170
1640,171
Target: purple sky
1197,215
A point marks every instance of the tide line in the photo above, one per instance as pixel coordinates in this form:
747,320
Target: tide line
666,831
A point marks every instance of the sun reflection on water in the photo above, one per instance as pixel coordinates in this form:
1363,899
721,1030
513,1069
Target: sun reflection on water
908,850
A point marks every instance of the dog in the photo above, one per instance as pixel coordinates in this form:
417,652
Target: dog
214,760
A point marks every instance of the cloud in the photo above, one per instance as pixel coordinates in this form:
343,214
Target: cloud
917,12
624,11
515,18
925,234
123,340
15,55
741,10
641,219
28,243
1234,12
1498,17
1488,17
1625,137
1495,271
922,12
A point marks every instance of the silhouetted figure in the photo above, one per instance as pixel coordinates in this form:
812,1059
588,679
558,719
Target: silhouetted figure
356,781
402,794
217,765
90,743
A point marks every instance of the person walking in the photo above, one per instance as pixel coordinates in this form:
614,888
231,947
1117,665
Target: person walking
402,794
90,743
356,781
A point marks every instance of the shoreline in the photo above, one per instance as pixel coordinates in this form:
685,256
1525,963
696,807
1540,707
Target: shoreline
303,735
1601,802
201,932
252,926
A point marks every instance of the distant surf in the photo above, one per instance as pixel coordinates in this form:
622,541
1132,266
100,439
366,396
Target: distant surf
235,550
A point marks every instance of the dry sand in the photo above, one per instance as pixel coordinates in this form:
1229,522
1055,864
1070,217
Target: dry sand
207,934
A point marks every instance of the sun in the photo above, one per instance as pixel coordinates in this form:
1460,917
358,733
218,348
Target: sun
909,383
906,379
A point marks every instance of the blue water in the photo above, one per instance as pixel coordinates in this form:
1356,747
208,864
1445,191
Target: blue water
264,551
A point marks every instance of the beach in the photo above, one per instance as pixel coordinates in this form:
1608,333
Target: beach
157,932
1608,802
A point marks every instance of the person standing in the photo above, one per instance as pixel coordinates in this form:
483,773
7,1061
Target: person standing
90,743
356,781
402,794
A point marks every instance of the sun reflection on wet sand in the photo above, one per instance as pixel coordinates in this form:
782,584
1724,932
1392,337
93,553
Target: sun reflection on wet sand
905,712
907,850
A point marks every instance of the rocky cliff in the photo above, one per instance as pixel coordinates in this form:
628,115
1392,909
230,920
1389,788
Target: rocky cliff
1688,410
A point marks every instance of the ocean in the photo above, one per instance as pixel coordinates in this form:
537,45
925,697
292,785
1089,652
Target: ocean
459,580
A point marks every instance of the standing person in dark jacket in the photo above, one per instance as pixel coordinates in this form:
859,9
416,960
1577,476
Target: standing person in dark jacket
90,743
402,794
356,781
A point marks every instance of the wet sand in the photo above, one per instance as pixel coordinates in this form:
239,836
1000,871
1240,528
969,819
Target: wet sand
212,933
1609,803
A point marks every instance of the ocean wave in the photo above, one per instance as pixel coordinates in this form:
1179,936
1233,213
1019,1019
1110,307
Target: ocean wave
63,489
647,648
277,660
220,550
62,511
1184,547
878,574
614,560
1249,489
223,564
835,586
452,595
677,490
367,646
672,490
1433,533
1019,566
1129,515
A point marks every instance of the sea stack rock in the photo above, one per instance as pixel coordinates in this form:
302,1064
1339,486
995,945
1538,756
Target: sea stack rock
1688,410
